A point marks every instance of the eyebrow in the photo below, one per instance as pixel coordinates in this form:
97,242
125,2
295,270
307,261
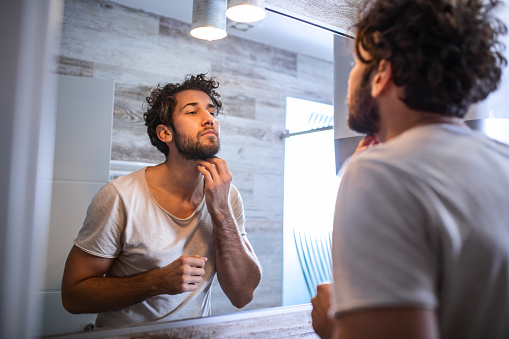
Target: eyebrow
195,104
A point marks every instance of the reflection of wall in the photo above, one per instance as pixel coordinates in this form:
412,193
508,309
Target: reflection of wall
139,50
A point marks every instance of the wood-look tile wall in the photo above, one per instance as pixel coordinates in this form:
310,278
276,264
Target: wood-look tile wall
139,50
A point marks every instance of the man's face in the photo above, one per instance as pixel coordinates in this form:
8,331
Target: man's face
194,125
363,112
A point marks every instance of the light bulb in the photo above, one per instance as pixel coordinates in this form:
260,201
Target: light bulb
208,33
245,10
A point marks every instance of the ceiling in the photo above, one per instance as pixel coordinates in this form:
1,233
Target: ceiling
275,30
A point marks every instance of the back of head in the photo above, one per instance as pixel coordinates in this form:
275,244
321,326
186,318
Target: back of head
444,53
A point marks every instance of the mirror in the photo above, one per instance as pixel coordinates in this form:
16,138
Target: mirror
138,45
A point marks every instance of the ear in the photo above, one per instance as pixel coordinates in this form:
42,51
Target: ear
382,79
164,133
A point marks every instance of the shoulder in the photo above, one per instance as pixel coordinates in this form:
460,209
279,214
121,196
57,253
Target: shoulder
386,183
128,180
121,188
415,152
132,183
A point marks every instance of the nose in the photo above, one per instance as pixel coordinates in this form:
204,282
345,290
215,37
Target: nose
209,119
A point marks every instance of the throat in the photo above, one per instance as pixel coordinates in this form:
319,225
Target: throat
174,196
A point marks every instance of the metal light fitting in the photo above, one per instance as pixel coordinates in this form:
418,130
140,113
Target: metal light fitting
209,20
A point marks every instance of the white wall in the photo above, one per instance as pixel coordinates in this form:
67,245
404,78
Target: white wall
28,32
82,163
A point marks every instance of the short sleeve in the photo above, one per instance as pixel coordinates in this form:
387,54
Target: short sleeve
238,209
103,228
382,253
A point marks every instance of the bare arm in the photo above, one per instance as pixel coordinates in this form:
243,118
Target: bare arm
238,270
415,323
86,290
402,322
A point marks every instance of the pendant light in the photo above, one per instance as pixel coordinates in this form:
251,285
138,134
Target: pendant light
209,20
246,10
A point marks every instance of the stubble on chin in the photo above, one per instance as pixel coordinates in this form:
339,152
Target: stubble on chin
196,150
363,113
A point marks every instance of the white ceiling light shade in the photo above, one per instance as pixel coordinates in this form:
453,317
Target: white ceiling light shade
209,21
246,10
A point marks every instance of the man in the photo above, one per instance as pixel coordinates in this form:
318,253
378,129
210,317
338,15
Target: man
153,240
421,226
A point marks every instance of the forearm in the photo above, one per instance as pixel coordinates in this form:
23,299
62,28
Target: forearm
238,270
103,294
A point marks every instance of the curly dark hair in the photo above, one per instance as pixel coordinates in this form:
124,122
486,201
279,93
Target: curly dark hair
446,54
162,102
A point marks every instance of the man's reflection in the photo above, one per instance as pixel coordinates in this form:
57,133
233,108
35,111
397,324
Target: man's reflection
153,240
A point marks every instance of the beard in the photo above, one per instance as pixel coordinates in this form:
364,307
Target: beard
363,112
191,149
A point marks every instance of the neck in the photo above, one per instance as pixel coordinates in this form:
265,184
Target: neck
177,176
399,118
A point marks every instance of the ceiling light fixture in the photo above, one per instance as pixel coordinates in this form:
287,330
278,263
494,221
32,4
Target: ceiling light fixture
246,10
209,21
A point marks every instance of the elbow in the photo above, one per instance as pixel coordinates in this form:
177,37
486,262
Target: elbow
241,293
244,297
242,300
69,305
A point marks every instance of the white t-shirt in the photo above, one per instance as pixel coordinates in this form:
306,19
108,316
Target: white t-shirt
126,223
423,220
